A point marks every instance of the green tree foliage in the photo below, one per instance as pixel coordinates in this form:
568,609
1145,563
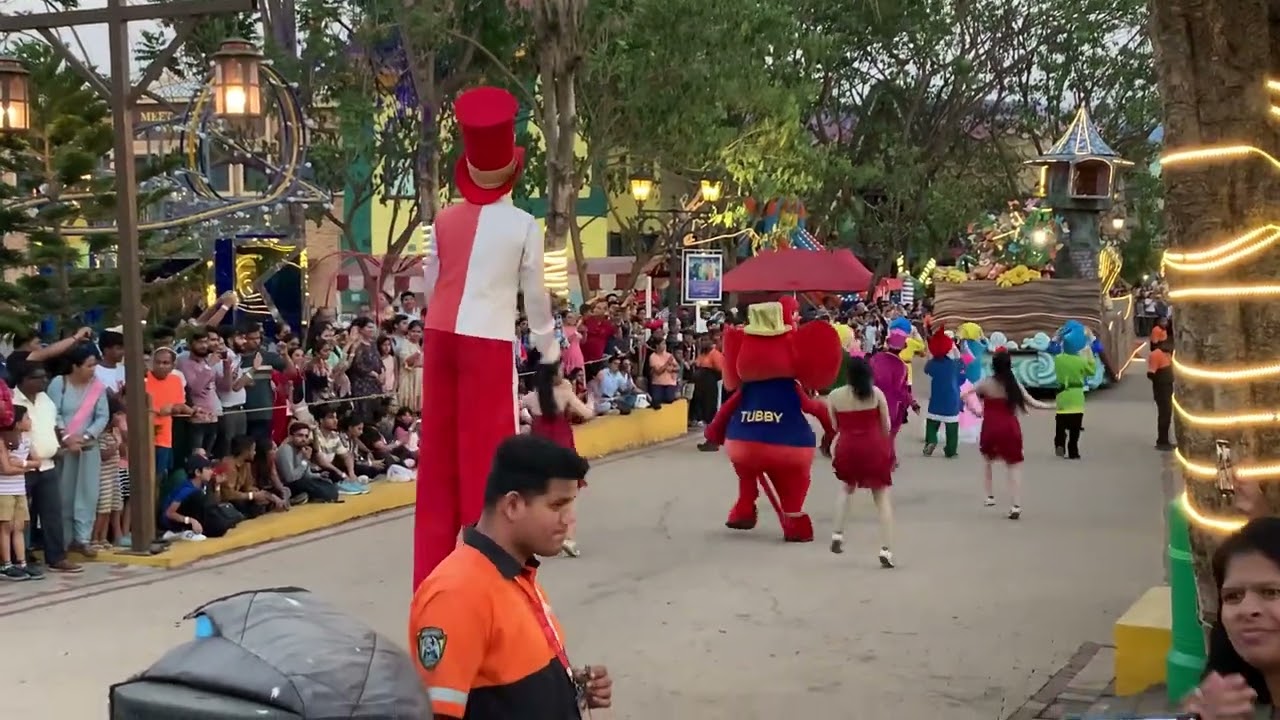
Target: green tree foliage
695,89
1141,249
206,34
1103,62
62,183
926,109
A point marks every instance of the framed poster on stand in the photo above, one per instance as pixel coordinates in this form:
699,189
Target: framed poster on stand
702,276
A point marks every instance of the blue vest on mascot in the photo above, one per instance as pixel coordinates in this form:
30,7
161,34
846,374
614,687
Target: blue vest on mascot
770,412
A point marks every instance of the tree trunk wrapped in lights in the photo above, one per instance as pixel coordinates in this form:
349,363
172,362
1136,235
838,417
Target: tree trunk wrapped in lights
1222,208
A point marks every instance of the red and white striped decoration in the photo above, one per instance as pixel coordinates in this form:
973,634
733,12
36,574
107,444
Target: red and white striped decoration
410,282
613,274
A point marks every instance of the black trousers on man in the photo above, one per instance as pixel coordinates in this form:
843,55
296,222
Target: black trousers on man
1164,412
45,498
1066,433
706,395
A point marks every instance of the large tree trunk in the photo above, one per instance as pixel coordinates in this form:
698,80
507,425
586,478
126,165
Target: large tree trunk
557,30
1213,63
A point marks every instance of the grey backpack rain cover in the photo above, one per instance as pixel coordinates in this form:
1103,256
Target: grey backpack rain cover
285,649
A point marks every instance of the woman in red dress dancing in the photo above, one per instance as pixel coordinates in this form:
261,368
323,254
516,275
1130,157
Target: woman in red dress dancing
558,428
1000,439
863,456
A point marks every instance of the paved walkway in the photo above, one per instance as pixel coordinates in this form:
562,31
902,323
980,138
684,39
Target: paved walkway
1085,688
700,622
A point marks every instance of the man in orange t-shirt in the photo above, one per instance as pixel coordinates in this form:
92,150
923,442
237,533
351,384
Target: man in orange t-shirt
168,400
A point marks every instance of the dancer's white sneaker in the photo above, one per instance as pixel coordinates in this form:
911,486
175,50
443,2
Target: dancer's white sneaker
1015,512
990,501
886,558
837,543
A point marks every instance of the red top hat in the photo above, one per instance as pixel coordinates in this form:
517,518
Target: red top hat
491,161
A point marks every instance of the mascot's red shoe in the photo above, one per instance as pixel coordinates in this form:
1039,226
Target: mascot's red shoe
773,367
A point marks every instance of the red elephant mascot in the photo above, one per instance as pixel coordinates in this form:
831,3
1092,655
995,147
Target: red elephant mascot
774,366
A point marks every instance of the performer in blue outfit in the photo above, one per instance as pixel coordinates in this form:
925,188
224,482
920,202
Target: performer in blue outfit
972,345
946,374
973,342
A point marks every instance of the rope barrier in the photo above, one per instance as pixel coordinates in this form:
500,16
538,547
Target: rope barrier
604,358
309,404
334,401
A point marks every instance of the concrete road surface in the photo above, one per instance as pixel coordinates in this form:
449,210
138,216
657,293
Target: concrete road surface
699,622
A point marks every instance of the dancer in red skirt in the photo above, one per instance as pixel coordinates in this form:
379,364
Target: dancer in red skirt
863,456
1000,439
559,429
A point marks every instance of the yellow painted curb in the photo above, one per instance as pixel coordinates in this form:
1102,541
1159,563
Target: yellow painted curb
614,433
601,437
1143,636
382,496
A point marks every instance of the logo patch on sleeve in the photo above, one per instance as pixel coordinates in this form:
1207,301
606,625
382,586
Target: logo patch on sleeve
431,643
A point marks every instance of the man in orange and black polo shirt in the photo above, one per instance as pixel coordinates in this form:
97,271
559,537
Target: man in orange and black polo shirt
488,645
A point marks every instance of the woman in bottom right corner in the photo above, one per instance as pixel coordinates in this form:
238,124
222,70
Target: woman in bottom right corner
1242,674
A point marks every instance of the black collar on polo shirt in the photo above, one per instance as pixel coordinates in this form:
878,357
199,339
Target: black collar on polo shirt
508,566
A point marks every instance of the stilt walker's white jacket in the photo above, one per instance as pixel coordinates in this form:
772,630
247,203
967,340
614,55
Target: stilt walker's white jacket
471,286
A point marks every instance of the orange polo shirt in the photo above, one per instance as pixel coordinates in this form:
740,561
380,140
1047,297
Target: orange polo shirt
713,359
168,391
488,645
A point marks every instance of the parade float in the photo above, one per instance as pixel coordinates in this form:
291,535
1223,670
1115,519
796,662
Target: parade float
1030,270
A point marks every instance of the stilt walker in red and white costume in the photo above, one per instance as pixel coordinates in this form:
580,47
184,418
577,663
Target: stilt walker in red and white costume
483,251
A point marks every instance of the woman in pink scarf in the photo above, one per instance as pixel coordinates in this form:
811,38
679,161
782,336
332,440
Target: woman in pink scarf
889,373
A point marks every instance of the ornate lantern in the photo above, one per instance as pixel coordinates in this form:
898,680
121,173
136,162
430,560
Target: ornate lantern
236,90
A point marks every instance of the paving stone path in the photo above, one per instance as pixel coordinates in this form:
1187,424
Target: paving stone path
1085,689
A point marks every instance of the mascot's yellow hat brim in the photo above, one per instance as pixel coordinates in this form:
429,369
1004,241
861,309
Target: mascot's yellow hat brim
969,331
765,320
846,335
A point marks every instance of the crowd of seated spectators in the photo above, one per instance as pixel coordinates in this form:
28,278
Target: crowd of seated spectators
244,426
619,360
251,421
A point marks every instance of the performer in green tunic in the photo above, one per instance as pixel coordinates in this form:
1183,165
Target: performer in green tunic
1073,366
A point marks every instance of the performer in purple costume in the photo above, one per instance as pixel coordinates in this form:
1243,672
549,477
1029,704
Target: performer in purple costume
890,375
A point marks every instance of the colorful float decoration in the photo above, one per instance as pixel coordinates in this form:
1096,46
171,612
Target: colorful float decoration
1040,270
777,224
1011,248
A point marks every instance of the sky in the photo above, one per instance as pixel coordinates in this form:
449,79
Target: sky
93,37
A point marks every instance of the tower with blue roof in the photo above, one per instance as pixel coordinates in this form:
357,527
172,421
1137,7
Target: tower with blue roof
1078,180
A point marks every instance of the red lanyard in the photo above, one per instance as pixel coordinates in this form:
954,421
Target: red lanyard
540,611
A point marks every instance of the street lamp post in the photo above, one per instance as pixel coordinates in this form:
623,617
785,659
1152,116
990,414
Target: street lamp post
681,218
122,94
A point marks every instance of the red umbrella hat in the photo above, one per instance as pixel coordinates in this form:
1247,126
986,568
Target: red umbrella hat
491,161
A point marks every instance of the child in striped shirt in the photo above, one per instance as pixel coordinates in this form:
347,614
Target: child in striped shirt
15,460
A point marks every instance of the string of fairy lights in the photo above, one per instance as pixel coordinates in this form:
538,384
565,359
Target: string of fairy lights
1195,266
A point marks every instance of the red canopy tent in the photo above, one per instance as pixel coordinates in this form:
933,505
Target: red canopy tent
886,286
799,271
